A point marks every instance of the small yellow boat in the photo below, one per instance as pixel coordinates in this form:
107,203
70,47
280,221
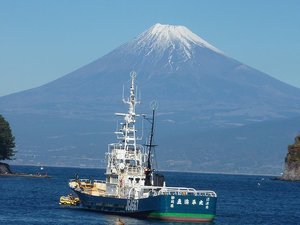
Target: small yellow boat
69,200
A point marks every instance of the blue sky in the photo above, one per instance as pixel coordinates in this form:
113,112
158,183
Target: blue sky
41,41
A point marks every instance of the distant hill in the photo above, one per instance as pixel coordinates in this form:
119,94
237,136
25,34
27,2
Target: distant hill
206,101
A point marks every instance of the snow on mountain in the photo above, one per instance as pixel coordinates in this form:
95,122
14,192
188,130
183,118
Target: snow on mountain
161,38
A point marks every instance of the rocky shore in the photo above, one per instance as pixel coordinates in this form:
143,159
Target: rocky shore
4,168
292,162
5,171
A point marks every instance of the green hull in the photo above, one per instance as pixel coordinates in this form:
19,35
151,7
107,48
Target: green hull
182,217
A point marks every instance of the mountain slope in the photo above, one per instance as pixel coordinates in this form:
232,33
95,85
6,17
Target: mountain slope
197,86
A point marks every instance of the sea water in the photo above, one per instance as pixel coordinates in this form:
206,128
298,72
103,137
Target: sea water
242,199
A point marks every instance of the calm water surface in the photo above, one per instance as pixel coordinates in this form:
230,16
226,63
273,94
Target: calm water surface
242,200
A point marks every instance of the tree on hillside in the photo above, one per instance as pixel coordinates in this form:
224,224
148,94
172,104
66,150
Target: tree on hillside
7,140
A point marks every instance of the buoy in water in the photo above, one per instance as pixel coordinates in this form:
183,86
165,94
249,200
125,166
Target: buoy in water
119,222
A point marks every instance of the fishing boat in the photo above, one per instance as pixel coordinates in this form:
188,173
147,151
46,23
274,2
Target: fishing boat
132,187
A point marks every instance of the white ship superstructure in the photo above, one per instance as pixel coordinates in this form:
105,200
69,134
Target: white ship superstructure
126,159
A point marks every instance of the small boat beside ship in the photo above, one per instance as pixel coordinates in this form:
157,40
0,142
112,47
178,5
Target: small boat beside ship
133,188
69,200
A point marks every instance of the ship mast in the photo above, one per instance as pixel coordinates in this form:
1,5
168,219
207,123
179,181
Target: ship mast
150,145
125,159
128,132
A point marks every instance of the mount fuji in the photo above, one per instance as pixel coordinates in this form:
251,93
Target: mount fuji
215,113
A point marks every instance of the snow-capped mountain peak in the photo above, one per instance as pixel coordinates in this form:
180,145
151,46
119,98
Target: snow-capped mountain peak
161,37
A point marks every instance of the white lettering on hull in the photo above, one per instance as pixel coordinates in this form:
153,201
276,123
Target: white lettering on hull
132,205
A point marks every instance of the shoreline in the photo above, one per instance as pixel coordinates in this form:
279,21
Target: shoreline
203,172
25,175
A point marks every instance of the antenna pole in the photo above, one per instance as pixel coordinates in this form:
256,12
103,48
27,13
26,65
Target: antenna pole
151,140
149,171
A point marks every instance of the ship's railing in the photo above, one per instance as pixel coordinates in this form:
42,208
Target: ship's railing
80,180
158,190
186,191
87,183
99,181
118,146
